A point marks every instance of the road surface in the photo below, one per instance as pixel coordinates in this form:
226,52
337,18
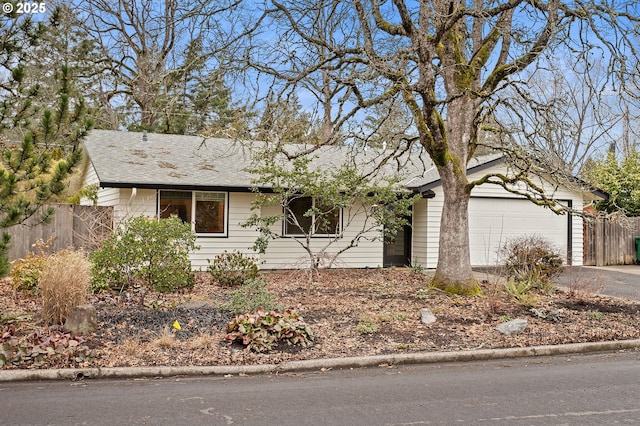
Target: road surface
593,389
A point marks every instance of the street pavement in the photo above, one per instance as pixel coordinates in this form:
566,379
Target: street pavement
595,389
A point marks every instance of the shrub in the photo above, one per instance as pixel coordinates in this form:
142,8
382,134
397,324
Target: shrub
520,291
154,253
64,285
233,268
531,259
250,297
26,272
4,254
43,347
262,330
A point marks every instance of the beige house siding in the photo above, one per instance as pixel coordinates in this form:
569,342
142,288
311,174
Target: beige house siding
237,239
284,253
419,233
434,213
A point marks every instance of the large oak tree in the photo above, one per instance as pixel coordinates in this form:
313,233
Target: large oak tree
450,62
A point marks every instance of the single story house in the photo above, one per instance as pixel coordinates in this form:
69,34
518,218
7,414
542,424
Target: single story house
206,182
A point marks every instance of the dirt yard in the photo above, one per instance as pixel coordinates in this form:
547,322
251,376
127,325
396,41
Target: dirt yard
350,312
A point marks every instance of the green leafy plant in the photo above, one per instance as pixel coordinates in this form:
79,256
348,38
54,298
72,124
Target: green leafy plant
26,272
43,347
153,253
64,284
367,324
5,238
521,292
595,315
250,297
532,259
232,268
262,330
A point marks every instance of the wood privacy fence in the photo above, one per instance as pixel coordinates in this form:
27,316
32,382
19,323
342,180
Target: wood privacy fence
72,226
611,241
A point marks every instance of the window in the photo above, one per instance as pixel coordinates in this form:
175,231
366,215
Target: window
205,211
325,220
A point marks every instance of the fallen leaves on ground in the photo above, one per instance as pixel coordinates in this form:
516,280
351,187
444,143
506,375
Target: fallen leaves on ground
335,306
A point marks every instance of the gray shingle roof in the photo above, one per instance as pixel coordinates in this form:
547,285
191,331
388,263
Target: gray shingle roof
123,159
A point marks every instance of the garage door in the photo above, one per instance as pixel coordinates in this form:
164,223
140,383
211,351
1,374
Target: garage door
492,221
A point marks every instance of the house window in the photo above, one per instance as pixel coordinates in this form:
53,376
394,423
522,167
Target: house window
325,220
205,211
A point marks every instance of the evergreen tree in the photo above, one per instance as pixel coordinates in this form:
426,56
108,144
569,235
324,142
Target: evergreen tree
620,178
34,169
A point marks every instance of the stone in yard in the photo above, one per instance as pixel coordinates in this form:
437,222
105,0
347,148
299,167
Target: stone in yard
515,326
82,319
426,316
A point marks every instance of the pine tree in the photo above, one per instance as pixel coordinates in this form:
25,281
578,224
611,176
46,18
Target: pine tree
34,169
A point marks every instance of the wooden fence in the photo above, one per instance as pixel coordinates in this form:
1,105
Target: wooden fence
72,226
611,241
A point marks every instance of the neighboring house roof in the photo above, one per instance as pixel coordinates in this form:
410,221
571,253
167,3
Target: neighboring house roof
131,159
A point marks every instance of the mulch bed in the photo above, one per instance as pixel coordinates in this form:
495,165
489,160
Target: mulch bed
336,306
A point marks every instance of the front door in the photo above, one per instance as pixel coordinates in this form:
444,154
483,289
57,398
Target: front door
398,251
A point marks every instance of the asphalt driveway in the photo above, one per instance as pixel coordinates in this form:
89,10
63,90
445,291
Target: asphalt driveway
619,281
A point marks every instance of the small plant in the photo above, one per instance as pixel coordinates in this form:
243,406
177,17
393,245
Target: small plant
250,297
532,259
505,318
417,268
154,253
43,347
64,285
165,340
521,292
26,272
5,238
423,293
367,324
263,330
232,268
595,315
580,286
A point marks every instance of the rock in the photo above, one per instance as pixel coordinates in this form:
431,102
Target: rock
193,305
82,319
426,316
515,326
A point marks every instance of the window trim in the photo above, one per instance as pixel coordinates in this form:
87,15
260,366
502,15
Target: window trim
192,219
313,224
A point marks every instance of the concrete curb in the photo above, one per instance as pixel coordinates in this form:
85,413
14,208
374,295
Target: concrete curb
333,363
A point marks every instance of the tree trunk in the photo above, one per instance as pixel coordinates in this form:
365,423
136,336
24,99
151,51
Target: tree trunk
453,272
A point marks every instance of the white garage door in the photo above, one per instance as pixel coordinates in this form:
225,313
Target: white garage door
492,221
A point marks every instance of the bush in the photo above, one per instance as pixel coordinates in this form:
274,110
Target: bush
154,253
233,268
4,254
262,330
64,285
43,347
26,272
531,259
250,297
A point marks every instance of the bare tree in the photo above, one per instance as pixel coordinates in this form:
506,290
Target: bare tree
162,59
563,113
451,63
